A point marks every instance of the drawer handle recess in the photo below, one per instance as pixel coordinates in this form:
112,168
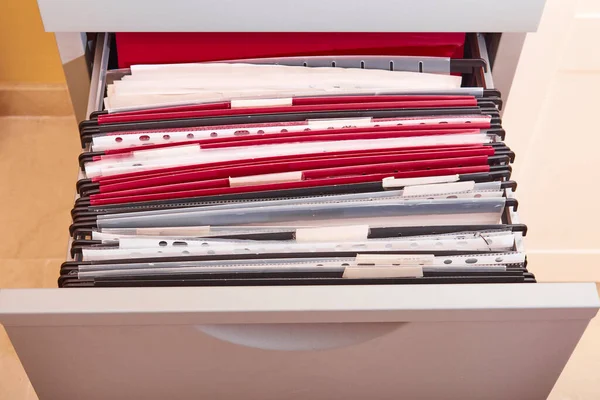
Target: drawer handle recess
299,337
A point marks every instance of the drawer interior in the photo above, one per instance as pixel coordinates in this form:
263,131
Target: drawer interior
459,54
469,61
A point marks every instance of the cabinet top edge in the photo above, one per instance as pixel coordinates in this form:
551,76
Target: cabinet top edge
288,304
305,16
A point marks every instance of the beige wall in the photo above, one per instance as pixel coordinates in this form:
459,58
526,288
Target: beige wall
27,53
551,121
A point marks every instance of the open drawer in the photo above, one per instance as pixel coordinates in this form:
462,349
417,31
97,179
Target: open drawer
493,341
384,342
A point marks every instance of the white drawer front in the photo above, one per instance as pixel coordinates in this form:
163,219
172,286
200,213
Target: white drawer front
386,342
288,16
449,360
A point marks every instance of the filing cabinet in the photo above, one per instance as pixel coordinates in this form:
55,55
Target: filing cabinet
492,341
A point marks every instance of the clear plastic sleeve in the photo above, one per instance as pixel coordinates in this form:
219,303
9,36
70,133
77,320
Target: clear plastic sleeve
390,212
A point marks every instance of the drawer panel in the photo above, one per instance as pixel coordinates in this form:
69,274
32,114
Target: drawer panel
278,16
413,361
452,342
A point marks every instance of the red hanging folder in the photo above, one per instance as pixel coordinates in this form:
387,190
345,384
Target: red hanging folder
220,112
125,177
296,101
312,171
257,168
224,188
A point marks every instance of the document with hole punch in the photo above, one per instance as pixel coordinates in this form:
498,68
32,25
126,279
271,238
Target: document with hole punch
204,83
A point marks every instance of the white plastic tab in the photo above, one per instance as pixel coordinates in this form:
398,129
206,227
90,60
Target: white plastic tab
438,188
293,176
333,233
340,122
395,259
392,182
245,103
175,151
178,231
383,272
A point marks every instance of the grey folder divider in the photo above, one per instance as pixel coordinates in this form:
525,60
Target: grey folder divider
389,194
490,207
96,266
244,265
307,268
